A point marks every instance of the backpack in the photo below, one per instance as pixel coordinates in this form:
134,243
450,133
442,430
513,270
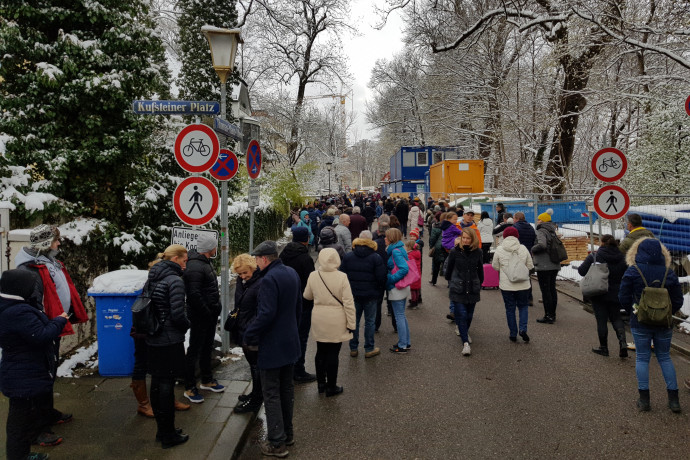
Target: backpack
144,318
516,270
654,306
557,252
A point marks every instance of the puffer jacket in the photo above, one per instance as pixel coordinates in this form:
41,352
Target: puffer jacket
364,269
413,218
526,232
334,305
168,301
465,275
246,301
502,256
450,233
28,352
305,222
201,288
328,239
636,234
653,260
615,260
397,256
485,227
546,231
436,242
380,240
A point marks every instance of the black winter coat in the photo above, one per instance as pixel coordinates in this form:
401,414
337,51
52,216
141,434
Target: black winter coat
27,339
201,287
365,270
326,221
465,275
436,242
246,301
380,240
168,301
401,212
527,234
614,258
296,255
369,214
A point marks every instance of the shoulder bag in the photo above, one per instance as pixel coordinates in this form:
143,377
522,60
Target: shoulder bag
596,281
410,278
329,290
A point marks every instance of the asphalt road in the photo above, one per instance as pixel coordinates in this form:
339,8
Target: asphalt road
551,398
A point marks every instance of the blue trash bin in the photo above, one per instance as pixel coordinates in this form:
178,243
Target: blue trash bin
114,323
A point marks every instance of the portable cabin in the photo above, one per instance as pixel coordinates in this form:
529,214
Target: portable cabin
410,163
456,176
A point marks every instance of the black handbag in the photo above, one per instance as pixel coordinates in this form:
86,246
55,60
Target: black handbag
231,320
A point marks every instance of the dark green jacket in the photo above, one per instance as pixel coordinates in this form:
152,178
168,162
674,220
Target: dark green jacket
636,234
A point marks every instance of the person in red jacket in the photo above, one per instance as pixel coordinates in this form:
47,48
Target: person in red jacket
415,256
55,294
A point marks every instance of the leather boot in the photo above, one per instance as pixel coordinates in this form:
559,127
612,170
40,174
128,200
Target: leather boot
603,351
139,389
643,404
673,402
623,344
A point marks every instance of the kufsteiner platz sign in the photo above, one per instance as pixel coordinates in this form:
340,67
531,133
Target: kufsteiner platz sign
176,107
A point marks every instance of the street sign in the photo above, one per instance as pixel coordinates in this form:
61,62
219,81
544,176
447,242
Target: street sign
188,237
226,167
609,164
196,200
611,202
687,105
196,148
254,159
253,196
176,107
226,128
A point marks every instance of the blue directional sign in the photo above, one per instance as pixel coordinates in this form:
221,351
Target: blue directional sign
176,107
226,128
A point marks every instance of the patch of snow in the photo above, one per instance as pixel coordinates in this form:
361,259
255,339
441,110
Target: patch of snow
671,212
49,70
78,230
36,201
119,282
84,356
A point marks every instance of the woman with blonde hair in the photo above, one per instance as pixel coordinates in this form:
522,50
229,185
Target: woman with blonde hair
246,302
333,317
465,275
166,347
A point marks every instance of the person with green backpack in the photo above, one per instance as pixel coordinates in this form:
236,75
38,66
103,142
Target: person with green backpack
650,293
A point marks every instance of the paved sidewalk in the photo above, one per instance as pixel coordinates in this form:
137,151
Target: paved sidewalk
106,425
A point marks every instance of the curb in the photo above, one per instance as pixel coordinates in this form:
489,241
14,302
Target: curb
231,440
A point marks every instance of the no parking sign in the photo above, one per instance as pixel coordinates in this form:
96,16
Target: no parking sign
226,167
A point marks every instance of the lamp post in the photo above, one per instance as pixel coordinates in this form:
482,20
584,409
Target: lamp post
223,44
328,167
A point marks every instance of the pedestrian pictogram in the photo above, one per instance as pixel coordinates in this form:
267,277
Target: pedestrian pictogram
609,164
226,167
196,200
254,159
611,202
196,148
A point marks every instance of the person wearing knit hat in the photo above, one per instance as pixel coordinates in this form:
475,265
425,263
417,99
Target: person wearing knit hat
544,217
27,337
414,234
42,237
203,310
547,270
300,234
513,262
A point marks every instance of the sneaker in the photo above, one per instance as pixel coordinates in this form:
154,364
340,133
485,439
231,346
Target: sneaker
269,450
466,351
194,396
47,439
247,406
290,441
213,385
372,353
63,418
354,353
396,349
305,377
545,320
243,398
524,336
36,456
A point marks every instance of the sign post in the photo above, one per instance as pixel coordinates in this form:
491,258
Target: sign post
609,165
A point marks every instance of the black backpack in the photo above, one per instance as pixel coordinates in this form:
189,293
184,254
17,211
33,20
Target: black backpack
144,317
556,249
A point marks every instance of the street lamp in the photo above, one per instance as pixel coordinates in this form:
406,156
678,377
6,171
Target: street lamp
328,167
223,44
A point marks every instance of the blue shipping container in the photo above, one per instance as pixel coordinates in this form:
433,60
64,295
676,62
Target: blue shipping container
114,323
563,211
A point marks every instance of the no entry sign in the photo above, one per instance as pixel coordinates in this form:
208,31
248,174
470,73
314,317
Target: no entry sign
609,164
196,200
254,159
196,148
611,202
226,167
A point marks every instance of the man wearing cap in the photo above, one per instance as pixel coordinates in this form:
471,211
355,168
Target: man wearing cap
54,293
203,308
296,255
274,332
468,222
546,269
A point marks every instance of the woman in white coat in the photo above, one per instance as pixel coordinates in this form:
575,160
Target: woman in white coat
333,317
513,262
413,217
486,226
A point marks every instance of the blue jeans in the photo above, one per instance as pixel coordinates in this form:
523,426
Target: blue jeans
643,337
368,307
513,299
463,317
401,321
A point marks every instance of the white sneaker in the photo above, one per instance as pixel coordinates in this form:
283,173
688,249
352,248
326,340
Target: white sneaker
457,331
466,351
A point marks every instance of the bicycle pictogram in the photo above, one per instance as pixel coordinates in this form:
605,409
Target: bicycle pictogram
196,146
611,162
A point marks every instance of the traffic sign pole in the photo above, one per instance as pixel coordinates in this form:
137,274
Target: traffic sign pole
224,253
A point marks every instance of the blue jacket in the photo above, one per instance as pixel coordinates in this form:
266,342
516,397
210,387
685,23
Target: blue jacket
274,328
364,269
27,339
396,256
526,232
304,223
653,262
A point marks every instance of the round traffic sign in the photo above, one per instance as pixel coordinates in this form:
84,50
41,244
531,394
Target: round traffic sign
226,167
611,202
196,200
254,159
196,148
609,164
687,105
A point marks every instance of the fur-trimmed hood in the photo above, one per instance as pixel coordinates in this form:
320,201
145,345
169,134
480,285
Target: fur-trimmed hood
648,251
365,242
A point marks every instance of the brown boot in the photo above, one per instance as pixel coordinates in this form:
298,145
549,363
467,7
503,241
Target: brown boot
181,406
139,389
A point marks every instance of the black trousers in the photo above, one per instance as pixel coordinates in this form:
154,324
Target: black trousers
326,361
252,356
141,358
486,252
304,327
24,415
549,294
279,401
605,312
436,265
165,364
201,334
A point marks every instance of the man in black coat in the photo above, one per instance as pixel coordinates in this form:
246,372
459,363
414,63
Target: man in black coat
203,308
296,255
380,240
527,236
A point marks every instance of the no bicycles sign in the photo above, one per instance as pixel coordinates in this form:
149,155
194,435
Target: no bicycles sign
196,148
609,164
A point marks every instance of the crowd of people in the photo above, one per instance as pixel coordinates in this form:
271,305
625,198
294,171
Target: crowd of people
283,298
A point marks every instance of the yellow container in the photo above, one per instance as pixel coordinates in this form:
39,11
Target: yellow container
456,176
